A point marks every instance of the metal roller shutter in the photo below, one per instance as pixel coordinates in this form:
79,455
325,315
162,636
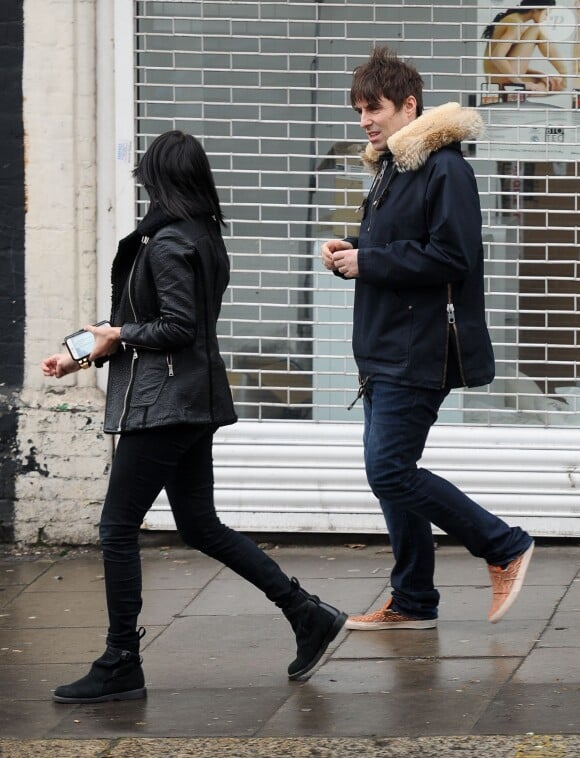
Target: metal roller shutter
264,86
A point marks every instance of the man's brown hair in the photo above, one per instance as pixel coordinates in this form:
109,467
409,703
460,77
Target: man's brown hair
385,75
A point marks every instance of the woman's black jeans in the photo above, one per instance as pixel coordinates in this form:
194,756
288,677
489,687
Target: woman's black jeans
178,458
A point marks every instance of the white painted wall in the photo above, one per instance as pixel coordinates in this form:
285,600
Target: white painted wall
64,454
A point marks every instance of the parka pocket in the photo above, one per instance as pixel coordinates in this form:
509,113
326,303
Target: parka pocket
388,333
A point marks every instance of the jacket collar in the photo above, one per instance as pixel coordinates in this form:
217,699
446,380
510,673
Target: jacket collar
154,220
437,128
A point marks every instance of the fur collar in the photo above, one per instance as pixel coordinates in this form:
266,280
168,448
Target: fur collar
434,129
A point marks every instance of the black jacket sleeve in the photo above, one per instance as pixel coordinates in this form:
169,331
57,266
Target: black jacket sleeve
172,268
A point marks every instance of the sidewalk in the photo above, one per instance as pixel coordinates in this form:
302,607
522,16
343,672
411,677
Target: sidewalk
216,652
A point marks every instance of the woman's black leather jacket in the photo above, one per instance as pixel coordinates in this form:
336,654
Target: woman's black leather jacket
168,280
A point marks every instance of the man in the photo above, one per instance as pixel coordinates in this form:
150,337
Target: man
418,331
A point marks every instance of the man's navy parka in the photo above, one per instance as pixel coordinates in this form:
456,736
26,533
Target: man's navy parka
419,315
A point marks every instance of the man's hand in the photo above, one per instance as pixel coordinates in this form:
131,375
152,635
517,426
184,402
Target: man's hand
329,249
346,263
59,365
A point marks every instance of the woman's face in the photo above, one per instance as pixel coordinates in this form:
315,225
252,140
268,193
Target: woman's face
540,15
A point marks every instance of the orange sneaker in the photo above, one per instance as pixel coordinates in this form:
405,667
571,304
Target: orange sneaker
385,618
506,584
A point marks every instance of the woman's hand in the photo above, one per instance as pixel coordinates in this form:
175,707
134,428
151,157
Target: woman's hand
107,340
59,365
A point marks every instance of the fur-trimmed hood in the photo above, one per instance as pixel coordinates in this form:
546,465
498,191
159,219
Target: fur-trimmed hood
434,129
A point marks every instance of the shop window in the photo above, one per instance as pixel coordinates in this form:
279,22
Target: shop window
264,85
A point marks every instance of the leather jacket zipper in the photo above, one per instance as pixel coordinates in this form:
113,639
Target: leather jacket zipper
144,241
128,390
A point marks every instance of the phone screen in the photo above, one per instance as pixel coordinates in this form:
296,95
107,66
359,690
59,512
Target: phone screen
80,345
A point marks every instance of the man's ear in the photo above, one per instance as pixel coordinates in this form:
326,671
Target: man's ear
410,106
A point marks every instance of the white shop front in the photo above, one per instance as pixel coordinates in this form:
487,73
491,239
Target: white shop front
264,85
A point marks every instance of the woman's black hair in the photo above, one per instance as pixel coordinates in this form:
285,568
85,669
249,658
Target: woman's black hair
529,4
176,173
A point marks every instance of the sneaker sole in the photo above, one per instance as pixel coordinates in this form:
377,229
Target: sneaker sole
380,626
131,695
517,585
339,622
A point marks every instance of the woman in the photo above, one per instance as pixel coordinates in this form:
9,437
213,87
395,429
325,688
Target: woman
512,38
167,394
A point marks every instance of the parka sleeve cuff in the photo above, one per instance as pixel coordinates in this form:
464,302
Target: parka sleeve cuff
362,262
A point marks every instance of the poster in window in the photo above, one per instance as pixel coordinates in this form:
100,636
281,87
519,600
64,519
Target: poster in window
529,78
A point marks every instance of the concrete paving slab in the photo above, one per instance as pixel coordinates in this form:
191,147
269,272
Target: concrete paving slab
307,563
177,569
209,651
215,658
7,595
550,666
455,567
571,600
14,571
469,603
311,713
563,631
390,677
34,646
84,574
540,708
451,639
28,718
35,682
209,711
224,597
40,610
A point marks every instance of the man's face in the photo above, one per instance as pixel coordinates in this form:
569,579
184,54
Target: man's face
381,119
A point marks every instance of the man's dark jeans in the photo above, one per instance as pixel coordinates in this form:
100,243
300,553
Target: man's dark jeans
397,422
178,458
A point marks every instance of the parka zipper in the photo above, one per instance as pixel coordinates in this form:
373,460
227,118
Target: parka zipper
379,199
452,326
361,392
